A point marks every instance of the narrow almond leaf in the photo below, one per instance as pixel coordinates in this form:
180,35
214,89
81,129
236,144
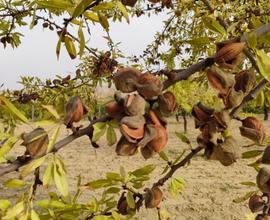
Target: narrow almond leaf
163,156
91,16
28,168
60,180
53,139
34,215
80,8
14,211
82,40
144,170
58,47
103,21
182,137
14,183
251,154
7,146
52,110
111,136
263,61
130,200
123,10
12,109
70,46
48,175
248,183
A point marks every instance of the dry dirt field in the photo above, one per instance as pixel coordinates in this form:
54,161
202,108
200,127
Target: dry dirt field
210,187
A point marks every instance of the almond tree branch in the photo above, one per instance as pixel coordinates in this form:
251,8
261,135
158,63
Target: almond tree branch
14,166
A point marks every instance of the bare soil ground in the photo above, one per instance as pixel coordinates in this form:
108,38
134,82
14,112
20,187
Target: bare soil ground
210,187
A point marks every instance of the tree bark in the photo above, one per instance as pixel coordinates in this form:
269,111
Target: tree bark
185,121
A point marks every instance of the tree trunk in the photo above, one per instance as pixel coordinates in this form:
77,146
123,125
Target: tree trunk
185,121
265,109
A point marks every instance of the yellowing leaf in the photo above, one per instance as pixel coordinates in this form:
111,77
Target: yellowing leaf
12,109
14,183
123,10
4,204
263,61
82,40
52,110
80,8
53,139
70,46
48,175
60,179
14,211
28,168
34,215
92,16
111,136
130,200
9,143
58,47
103,21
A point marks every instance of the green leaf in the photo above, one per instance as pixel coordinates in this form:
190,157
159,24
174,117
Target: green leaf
48,175
130,200
52,110
113,176
163,156
123,10
248,183
213,25
103,21
70,46
28,168
82,40
4,204
252,40
34,215
80,8
263,61
59,178
102,217
99,130
14,183
112,190
58,47
14,211
245,197
144,170
51,204
6,147
91,16
176,186
103,6
98,184
53,139
55,4
183,138
13,110
115,215
111,136
251,154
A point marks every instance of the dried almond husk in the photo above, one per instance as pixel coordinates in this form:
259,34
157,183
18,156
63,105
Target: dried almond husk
266,155
167,103
222,118
201,113
126,78
253,129
220,80
149,134
263,180
233,98
147,152
75,110
114,110
153,197
135,105
210,132
245,81
149,86
125,148
227,152
132,127
161,138
229,52
36,142
256,203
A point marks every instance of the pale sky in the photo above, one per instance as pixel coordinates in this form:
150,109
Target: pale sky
36,55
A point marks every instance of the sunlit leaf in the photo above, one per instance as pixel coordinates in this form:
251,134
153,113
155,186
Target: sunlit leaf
53,139
14,183
14,211
28,168
52,110
144,170
130,200
70,46
111,136
251,154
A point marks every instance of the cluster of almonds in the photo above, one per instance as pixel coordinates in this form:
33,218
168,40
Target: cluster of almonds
231,88
260,203
140,126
